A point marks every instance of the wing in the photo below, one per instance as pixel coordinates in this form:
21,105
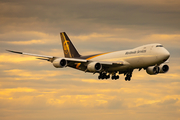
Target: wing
74,62
49,58
41,57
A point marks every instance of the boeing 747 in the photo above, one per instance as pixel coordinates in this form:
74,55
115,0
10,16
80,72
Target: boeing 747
151,57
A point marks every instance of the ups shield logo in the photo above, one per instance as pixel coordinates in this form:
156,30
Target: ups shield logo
66,46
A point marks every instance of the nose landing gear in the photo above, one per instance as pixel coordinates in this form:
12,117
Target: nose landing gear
105,75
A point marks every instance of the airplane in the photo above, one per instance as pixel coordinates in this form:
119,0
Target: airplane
151,57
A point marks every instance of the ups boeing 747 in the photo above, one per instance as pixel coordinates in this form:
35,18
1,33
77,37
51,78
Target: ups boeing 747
151,57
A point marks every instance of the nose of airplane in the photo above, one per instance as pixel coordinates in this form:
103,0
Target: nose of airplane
166,54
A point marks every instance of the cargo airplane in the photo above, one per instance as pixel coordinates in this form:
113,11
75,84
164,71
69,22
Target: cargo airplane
151,57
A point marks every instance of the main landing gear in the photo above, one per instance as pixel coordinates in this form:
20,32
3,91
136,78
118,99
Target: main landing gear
115,77
107,76
128,76
104,75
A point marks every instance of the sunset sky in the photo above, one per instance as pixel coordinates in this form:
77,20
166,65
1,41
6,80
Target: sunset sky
31,89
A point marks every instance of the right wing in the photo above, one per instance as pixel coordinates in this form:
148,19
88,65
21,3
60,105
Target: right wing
49,58
41,57
73,61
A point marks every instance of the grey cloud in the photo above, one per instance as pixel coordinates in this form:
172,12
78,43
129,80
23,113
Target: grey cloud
116,104
76,16
169,102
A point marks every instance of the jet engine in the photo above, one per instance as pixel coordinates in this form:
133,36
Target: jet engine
59,63
163,68
94,66
153,70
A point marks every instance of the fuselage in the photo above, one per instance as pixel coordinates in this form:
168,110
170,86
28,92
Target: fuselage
140,57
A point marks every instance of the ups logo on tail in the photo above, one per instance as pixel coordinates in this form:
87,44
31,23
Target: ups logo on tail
66,46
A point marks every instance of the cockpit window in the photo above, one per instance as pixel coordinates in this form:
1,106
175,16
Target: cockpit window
159,45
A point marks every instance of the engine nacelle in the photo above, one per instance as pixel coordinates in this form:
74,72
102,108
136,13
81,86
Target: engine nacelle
94,66
59,63
153,70
163,68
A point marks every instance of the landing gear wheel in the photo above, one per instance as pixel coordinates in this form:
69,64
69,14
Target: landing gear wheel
125,78
115,77
128,76
103,76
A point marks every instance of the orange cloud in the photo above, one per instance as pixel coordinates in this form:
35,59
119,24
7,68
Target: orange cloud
90,36
27,42
32,75
27,38
94,81
14,58
8,93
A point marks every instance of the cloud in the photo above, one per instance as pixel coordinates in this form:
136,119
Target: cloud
26,37
14,90
101,15
94,81
34,89
169,101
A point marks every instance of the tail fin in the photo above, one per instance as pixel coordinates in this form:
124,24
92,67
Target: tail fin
69,49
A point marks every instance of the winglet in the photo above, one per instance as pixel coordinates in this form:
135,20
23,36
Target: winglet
14,51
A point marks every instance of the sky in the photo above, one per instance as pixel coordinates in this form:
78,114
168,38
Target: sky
32,89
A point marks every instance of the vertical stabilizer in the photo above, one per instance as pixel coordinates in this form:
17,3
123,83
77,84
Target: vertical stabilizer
69,49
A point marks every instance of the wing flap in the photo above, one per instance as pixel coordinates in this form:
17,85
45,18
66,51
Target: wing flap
115,63
44,56
76,60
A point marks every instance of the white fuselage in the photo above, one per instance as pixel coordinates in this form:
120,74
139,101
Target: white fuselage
140,57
